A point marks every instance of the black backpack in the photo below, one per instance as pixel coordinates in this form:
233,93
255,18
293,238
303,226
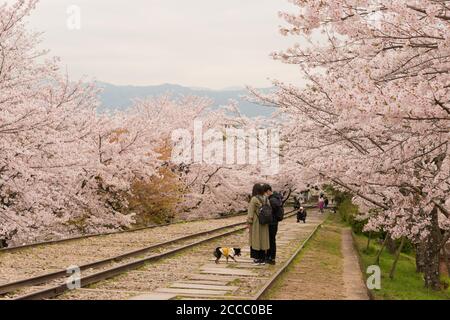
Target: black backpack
276,202
265,215
280,214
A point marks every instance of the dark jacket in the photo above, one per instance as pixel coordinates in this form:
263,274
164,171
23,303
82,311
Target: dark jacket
276,202
301,215
296,204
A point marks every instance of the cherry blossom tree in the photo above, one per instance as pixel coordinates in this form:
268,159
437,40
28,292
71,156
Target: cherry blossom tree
211,184
373,116
63,168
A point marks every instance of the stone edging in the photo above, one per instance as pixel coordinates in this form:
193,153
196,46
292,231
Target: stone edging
361,267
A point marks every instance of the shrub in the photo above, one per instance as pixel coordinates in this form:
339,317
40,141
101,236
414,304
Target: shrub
155,200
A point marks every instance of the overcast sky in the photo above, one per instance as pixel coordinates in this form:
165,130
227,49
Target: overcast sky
201,43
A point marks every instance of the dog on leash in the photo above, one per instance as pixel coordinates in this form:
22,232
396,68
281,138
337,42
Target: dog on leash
227,253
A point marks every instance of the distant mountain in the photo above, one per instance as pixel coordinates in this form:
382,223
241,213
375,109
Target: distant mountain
116,97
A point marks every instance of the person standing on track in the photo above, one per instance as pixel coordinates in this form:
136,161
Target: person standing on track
301,215
276,202
258,233
296,203
321,204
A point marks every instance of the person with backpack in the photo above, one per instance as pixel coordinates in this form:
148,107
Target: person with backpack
259,214
276,203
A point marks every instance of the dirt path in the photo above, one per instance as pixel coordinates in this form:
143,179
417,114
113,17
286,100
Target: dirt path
354,285
327,269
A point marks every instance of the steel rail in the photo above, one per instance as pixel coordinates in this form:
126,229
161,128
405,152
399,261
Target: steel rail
115,271
87,236
10,287
284,267
112,272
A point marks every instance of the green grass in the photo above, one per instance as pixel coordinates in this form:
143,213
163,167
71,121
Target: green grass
407,283
332,243
325,246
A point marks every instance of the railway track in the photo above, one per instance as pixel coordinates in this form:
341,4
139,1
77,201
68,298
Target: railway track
17,266
236,281
51,284
87,236
260,294
131,259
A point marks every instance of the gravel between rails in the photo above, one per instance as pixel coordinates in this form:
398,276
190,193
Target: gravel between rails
181,266
154,275
165,248
30,262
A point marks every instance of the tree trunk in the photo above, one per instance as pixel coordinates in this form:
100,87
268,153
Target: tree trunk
368,241
446,261
397,257
443,240
391,245
420,258
431,271
377,259
431,254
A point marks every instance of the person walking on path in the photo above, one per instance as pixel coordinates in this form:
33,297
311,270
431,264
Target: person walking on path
301,215
321,203
258,233
276,202
326,202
